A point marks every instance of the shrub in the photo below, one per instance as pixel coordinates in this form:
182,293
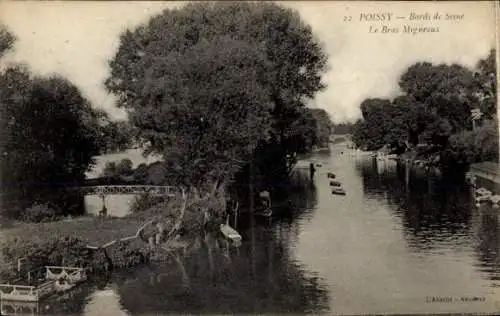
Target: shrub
145,202
68,251
476,146
39,213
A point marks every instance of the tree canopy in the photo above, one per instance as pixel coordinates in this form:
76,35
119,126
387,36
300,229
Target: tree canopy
50,133
436,103
206,83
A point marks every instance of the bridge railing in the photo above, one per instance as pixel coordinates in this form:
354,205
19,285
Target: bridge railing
130,189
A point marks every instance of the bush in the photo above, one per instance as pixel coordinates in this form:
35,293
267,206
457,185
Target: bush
145,202
68,251
476,146
120,169
39,213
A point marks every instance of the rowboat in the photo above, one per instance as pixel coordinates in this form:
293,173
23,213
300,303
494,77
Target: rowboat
265,213
483,191
335,184
338,191
230,233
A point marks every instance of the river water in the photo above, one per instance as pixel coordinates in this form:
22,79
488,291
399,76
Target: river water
385,247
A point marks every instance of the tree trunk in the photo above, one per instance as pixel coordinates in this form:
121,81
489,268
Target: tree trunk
178,223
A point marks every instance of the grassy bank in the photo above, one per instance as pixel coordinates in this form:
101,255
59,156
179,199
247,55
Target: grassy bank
92,230
65,242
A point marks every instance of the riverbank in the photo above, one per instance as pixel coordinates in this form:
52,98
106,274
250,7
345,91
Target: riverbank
53,243
101,243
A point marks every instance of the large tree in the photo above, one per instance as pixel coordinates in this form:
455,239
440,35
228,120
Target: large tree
7,40
49,134
435,109
485,85
443,89
208,82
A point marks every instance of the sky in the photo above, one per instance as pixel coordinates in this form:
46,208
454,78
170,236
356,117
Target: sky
77,40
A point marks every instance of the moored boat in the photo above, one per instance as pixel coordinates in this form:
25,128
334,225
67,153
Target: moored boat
335,183
264,213
338,191
330,175
230,233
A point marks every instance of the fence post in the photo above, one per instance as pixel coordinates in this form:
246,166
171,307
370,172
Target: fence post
19,264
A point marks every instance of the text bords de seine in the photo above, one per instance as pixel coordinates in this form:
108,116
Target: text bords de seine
408,27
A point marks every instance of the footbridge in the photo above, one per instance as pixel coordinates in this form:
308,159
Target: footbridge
156,190
117,200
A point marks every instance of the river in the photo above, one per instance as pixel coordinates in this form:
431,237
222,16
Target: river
383,248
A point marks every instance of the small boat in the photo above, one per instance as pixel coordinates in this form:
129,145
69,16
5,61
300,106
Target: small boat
482,198
318,165
335,184
495,199
338,191
264,213
230,233
330,175
264,207
482,191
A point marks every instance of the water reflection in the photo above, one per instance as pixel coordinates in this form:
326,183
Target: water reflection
105,302
488,235
437,214
259,278
381,249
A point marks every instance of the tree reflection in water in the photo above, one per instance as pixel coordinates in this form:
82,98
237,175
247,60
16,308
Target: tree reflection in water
488,235
260,276
437,213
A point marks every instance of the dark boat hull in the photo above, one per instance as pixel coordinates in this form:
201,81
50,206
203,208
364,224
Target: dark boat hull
339,192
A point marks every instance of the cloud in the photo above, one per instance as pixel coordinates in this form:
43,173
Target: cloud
77,39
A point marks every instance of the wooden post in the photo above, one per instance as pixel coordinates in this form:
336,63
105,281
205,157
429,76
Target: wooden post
407,173
235,218
252,223
19,264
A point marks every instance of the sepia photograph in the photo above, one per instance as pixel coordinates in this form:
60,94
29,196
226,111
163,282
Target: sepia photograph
249,157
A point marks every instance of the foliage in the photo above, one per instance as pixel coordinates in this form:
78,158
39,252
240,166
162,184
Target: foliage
145,202
118,136
39,213
475,146
122,169
342,128
323,127
67,251
228,76
485,88
7,40
435,105
49,133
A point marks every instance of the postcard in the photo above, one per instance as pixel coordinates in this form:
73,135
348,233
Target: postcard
302,157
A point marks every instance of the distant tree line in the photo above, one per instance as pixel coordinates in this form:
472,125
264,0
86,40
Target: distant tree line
342,128
435,110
